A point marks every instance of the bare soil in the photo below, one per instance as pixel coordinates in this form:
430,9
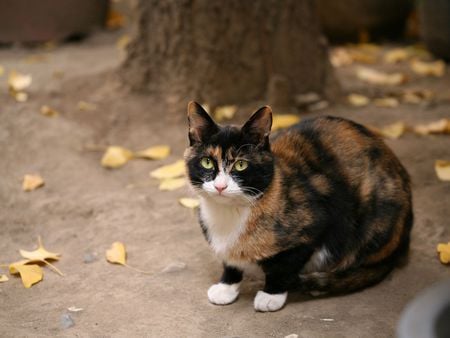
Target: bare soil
83,208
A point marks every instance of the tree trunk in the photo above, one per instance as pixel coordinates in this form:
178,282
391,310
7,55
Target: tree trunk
226,52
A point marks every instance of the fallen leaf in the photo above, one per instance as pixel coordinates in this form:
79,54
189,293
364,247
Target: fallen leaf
379,78
396,55
117,254
392,131
49,112
40,254
170,184
30,274
442,170
340,57
32,182
123,42
444,252
154,153
191,203
284,121
18,82
86,106
386,102
19,96
358,100
224,113
3,278
74,309
441,126
435,68
2,70
173,170
417,96
116,157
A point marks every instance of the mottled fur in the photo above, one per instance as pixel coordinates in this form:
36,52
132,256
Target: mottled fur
329,203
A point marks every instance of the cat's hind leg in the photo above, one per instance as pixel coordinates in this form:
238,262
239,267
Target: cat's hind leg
227,290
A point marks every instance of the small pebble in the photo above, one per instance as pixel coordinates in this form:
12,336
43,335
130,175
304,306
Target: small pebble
90,257
66,321
293,335
174,267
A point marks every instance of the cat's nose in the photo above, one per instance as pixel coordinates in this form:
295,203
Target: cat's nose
220,187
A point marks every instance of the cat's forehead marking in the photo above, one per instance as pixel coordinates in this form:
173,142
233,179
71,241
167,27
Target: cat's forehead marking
215,152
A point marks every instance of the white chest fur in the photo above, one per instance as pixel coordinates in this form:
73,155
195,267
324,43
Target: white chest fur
224,222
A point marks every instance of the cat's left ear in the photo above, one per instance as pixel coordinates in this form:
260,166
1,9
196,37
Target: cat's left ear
201,125
258,126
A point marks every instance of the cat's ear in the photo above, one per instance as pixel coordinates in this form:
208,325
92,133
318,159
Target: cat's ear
258,126
201,125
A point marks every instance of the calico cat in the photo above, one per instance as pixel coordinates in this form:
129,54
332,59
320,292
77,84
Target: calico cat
324,205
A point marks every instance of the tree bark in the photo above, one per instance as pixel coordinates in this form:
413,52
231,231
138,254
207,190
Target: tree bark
226,52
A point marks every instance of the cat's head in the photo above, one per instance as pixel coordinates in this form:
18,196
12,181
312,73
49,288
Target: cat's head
229,164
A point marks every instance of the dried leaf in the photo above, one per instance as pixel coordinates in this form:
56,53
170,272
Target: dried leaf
3,278
49,112
444,252
396,55
441,126
379,78
114,20
358,100
18,82
340,57
386,102
191,203
417,96
116,157
154,153
392,131
30,274
2,70
284,121
19,96
170,184
442,170
173,170
75,309
224,113
32,182
86,106
117,254
435,68
40,254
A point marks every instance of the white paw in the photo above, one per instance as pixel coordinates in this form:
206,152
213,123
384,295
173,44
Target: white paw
266,302
222,294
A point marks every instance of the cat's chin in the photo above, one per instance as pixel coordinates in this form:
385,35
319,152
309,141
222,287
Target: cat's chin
227,200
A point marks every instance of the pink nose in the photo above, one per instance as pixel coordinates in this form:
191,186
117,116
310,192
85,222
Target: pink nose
220,187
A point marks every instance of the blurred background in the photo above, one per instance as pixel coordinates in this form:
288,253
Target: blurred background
89,88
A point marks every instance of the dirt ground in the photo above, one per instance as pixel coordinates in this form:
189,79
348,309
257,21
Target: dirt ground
83,208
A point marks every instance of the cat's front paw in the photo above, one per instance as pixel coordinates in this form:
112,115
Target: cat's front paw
222,294
265,302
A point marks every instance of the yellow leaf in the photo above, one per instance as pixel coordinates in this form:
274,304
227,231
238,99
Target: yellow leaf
40,254
173,170
396,55
417,96
86,106
358,100
386,102
30,274
19,96
441,126
154,153
117,254
224,113
114,19
436,68
123,42
2,70
116,157
392,131
379,78
442,170
187,202
18,82
170,184
32,182
47,111
284,121
444,252
3,278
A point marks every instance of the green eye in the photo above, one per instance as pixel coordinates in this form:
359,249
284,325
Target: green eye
241,165
207,163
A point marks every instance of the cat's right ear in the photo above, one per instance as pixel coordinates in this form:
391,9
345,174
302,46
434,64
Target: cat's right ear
201,125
